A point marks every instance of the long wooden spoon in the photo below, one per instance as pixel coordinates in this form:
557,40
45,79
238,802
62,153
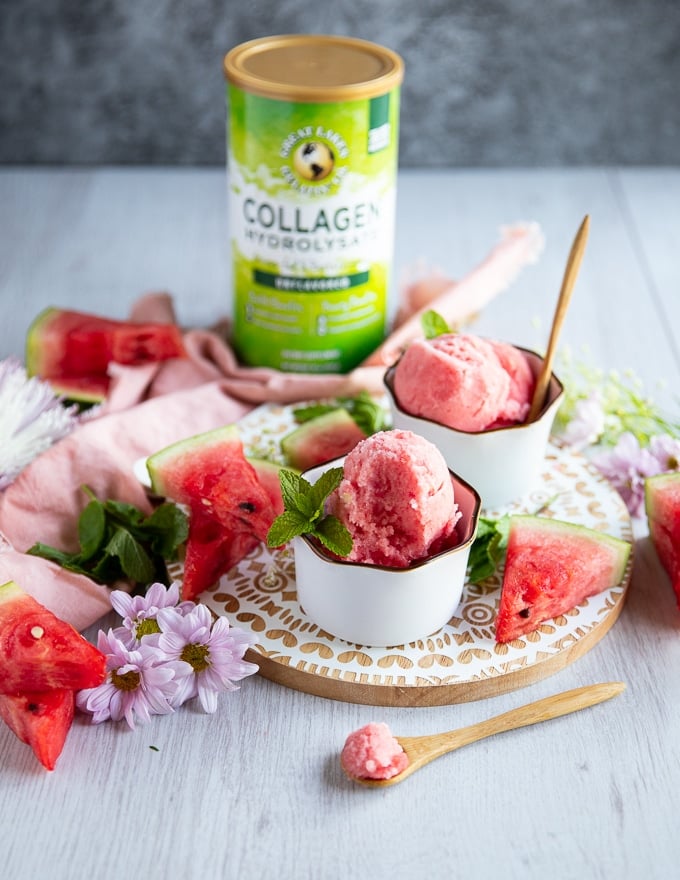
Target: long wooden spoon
423,749
568,281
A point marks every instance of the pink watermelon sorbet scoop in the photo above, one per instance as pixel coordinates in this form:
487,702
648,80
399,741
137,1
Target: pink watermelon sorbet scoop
464,382
396,499
373,753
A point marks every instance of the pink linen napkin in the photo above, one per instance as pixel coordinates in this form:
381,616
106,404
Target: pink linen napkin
44,502
153,405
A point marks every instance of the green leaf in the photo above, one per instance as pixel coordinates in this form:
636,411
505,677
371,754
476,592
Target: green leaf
54,555
433,324
118,540
127,513
287,526
304,512
167,528
91,528
319,492
334,535
291,485
134,559
307,413
369,415
488,548
108,570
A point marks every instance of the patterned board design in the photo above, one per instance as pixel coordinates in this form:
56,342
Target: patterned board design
458,663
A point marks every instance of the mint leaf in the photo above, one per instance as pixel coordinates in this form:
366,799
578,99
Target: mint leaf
126,513
134,560
334,535
66,560
292,485
319,492
117,540
488,548
313,411
91,528
366,412
167,528
287,526
433,324
304,513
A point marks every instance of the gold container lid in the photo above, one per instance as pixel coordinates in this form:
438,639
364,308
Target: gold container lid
312,68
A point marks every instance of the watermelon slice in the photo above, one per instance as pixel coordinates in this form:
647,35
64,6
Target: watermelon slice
550,567
321,439
72,350
230,511
268,476
662,505
40,720
40,652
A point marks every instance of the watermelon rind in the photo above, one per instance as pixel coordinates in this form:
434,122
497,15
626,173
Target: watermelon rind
552,566
321,439
231,506
662,507
162,462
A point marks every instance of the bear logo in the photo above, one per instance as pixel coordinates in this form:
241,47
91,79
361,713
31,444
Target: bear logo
314,160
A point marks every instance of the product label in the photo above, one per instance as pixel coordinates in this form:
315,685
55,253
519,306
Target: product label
312,199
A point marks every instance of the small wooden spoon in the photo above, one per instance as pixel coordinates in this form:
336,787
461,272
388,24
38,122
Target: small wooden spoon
423,749
568,281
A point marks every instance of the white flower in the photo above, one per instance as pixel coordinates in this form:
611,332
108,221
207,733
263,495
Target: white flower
32,418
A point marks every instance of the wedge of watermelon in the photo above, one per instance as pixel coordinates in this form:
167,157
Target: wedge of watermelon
72,350
551,566
230,511
321,439
41,720
662,505
40,652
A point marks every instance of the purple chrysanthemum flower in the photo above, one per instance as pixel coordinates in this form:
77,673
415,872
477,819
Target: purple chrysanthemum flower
33,418
587,423
666,450
139,683
626,466
209,655
139,612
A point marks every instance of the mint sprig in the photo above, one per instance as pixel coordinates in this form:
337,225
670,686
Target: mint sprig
433,324
118,541
488,548
304,512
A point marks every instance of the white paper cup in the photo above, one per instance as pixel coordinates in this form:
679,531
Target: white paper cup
503,464
377,606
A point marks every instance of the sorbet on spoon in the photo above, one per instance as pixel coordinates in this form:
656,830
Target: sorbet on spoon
373,757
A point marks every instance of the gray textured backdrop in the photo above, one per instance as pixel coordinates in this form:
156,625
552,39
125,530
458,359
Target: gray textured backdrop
521,82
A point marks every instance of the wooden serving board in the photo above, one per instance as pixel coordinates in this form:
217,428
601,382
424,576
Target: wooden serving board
459,663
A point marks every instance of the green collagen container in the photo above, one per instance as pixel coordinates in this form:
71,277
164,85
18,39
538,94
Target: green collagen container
312,166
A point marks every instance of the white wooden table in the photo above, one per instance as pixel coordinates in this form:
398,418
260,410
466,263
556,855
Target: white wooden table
256,790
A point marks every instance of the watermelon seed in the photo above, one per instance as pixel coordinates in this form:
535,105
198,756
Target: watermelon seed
247,505
525,612
37,632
